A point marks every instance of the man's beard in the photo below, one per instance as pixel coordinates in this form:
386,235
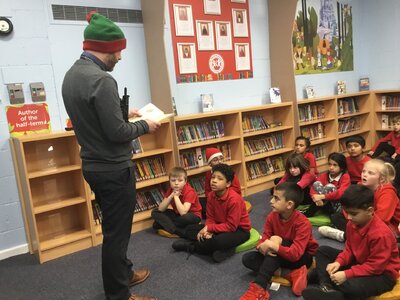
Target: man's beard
111,61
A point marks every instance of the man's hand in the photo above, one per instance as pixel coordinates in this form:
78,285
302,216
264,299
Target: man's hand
134,113
153,126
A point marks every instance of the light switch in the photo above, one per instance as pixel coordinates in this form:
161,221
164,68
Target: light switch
37,91
16,93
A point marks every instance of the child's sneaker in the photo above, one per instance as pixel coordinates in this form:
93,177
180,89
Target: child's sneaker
255,292
322,292
332,233
298,278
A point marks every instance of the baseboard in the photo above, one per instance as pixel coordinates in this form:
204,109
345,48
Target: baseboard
21,249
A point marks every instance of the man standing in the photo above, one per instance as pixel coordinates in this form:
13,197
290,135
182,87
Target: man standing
92,102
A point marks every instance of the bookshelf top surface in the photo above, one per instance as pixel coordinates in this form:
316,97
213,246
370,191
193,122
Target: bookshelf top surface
43,136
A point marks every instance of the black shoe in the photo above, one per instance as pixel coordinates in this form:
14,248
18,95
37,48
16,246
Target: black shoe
325,292
183,245
221,255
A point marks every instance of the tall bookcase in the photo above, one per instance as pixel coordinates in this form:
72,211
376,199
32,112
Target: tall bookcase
53,195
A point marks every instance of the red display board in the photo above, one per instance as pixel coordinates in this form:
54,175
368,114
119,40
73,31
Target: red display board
28,118
211,40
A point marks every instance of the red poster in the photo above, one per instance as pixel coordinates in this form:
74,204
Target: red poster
211,40
28,118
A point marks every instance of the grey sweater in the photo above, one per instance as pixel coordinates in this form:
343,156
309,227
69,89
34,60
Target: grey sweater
92,102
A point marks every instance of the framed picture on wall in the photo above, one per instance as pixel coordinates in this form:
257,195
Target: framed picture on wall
187,58
242,56
205,35
223,35
239,17
212,7
183,20
238,1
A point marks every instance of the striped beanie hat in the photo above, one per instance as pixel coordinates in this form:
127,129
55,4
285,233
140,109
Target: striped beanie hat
102,35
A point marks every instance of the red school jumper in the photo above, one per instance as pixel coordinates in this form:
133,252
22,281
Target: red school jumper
188,195
354,167
235,185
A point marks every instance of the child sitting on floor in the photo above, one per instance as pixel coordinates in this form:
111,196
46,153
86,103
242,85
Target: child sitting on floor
369,264
286,242
302,146
390,144
227,224
186,208
356,159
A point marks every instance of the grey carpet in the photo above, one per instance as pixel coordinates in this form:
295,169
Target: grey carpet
173,276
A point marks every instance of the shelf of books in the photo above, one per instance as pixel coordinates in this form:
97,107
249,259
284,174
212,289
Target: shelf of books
195,133
317,121
387,106
354,118
268,138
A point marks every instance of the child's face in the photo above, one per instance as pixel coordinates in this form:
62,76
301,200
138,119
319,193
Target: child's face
294,171
354,149
219,182
278,202
333,167
216,161
396,126
370,177
300,146
359,216
177,182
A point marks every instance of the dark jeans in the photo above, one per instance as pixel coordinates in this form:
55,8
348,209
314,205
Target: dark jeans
384,147
339,221
172,222
266,265
116,193
219,241
352,288
203,202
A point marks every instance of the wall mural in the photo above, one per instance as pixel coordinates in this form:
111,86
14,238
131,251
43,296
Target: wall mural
322,37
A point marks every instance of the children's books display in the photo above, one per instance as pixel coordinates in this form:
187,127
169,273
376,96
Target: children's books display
363,84
310,91
207,101
341,87
275,95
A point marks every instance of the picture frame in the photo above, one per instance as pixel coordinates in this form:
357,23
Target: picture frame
242,56
183,20
212,7
363,84
310,92
205,35
239,19
223,34
187,58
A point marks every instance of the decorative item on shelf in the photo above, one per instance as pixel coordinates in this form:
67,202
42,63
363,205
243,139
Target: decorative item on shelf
385,121
275,94
363,84
68,125
207,101
310,91
341,87
174,106
137,146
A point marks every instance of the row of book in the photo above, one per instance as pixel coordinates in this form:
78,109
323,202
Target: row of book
319,152
387,121
97,215
314,132
311,112
390,102
253,123
198,184
150,168
148,200
264,167
195,158
347,106
349,124
193,133
268,143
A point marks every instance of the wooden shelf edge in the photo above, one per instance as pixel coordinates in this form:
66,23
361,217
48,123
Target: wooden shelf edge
64,239
152,153
59,170
149,182
58,204
266,131
208,142
267,154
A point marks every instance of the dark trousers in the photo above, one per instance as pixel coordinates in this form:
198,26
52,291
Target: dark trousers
352,288
339,221
116,193
384,147
219,241
172,222
266,265
203,202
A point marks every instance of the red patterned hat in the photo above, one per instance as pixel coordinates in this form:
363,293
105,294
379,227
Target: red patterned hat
212,153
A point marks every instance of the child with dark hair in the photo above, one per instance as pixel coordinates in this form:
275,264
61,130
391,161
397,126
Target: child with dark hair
390,144
297,170
302,146
286,242
330,186
356,159
369,264
227,224
184,202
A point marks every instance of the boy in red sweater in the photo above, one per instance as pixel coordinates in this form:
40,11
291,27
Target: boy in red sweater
286,242
390,143
356,159
214,157
369,264
302,146
227,224
184,202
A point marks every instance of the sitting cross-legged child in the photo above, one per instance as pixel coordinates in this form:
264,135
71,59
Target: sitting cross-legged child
286,242
369,264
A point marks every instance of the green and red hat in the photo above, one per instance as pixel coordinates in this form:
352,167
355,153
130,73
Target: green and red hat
103,35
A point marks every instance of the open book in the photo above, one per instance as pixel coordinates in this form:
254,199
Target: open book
151,112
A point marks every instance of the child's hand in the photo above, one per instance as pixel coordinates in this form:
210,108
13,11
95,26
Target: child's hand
319,203
202,234
394,155
370,153
339,277
332,267
262,248
176,193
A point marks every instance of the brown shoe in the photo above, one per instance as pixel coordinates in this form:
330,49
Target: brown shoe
136,297
139,276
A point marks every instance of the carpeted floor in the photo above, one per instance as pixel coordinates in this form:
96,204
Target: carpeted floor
173,276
